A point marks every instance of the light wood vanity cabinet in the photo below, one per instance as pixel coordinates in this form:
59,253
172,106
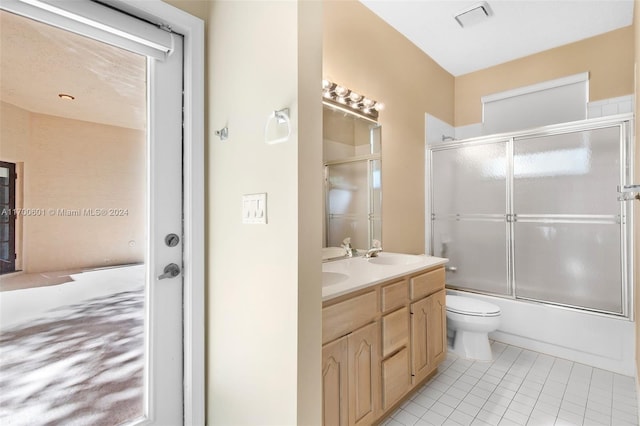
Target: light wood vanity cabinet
379,345
428,335
334,383
350,378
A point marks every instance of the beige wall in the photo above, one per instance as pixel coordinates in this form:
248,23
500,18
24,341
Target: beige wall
74,165
365,54
357,48
608,58
264,290
636,263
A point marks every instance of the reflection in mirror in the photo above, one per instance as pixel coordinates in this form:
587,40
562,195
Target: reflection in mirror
353,192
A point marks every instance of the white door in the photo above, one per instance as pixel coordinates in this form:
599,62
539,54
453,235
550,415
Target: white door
162,217
164,330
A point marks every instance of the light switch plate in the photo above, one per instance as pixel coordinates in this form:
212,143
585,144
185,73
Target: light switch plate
254,208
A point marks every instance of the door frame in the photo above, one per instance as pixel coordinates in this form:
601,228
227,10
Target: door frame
192,28
11,214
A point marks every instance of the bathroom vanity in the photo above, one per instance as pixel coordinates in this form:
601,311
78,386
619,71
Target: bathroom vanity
383,333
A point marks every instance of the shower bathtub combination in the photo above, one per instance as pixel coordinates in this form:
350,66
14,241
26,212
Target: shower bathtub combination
535,222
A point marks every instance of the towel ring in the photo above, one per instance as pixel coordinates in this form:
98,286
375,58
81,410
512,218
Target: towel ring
279,116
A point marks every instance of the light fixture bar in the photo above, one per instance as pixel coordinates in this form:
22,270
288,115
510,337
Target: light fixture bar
347,100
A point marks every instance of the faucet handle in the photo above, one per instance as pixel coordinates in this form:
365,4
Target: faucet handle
377,244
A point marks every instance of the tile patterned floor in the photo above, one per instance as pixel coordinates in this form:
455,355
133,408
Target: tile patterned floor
520,387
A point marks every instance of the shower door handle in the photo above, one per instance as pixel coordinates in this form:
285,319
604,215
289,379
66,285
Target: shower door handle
170,271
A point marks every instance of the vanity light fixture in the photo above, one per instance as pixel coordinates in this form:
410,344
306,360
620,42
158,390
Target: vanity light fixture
66,97
349,101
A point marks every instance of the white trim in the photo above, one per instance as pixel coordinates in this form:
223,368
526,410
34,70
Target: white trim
538,87
113,28
192,29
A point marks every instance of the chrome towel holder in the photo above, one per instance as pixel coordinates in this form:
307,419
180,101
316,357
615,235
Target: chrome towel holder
280,117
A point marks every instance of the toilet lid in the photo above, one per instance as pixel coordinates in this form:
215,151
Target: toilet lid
468,306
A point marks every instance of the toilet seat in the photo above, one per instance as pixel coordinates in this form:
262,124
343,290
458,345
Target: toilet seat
473,307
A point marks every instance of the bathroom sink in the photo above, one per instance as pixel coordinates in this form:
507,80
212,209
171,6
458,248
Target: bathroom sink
331,278
333,253
395,259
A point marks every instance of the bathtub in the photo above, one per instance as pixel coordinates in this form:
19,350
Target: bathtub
597,340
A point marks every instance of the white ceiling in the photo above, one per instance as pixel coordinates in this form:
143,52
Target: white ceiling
517,28
37,62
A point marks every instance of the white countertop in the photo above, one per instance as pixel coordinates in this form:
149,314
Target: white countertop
346,275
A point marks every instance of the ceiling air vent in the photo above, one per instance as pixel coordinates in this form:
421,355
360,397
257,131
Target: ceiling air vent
473,15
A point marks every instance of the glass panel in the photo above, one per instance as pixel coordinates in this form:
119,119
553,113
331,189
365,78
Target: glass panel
376,139
4,250
574,173
354,227
4,232
464,243
376,188
376,231
348,186
376,201
4,194
4,172
75,356
569,263
470,180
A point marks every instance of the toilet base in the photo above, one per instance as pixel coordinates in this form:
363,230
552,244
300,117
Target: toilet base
472,345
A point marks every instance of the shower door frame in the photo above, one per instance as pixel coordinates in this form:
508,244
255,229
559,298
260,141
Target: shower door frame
371,215
625,122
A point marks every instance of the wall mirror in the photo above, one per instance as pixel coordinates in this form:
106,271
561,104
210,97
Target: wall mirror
352,172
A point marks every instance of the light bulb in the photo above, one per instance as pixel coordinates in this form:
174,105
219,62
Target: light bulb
355,97
326,84
368,102
379,106
341,91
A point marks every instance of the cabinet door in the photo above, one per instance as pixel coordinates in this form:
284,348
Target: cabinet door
363,381
437,332
420,367
396,378
334,383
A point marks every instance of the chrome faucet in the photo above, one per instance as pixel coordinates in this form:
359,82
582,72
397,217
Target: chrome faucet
346,245
373,251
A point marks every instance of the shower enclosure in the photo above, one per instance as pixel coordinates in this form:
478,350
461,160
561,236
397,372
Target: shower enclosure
537,215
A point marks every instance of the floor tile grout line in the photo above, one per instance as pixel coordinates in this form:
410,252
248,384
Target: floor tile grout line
508,365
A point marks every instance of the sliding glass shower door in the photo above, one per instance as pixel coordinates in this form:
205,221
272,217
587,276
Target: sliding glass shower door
567,219
536,215
469,199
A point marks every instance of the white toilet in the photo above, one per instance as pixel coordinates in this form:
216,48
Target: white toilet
471,321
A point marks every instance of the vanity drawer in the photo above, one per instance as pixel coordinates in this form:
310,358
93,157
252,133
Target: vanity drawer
395,331
347,316
393,296
396,378
427,283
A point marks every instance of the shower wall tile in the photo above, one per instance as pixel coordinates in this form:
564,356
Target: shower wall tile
436,129
611,106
